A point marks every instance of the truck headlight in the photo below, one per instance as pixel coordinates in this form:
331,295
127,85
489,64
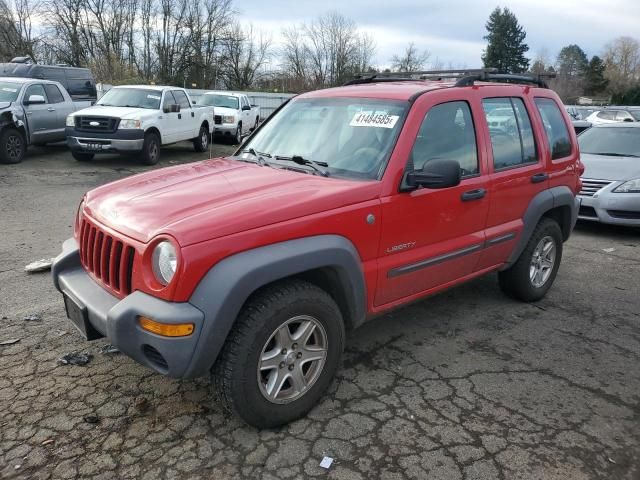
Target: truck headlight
164,262
228,119
632,186
129,124
71,121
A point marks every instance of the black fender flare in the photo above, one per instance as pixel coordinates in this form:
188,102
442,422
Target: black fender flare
543,202
225,288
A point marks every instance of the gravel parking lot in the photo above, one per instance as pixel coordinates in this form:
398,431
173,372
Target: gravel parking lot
465,385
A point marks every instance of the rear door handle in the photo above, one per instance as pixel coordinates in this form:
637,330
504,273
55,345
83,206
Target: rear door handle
474,194
539,177
193,114
50,109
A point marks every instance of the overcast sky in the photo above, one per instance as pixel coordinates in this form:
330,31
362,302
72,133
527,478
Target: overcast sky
452,30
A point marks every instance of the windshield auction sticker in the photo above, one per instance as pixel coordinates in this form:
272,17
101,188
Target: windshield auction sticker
10,90
374,119
153,97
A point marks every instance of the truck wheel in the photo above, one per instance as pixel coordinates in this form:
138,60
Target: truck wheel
12,146
237,138
151,149
281,354
201,142
532,275
255,125
82,157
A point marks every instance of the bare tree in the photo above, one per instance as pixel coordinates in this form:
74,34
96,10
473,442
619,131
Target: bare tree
412,60
16,29
296,57
622,63
244,54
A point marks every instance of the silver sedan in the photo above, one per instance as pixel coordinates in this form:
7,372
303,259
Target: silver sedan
611,180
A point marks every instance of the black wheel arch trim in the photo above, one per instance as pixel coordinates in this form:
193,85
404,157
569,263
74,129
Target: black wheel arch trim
544,202
226,287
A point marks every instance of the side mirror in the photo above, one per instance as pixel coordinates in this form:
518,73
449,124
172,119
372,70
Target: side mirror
246,107
35,100
435,174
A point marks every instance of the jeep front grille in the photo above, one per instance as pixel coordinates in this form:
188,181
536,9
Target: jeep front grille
97,124
591,186
109,259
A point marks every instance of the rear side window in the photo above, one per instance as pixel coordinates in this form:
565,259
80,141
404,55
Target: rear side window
447,133
512,141
181,98
53,93
554,127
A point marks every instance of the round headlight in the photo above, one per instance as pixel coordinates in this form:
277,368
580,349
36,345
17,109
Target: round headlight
165,262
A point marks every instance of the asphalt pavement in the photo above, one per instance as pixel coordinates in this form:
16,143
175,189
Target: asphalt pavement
464,385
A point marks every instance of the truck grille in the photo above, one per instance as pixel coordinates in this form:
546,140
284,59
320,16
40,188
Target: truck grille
591,186
217,119
97,124
109,259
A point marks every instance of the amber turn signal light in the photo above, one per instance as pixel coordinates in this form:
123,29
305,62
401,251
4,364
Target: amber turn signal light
166,329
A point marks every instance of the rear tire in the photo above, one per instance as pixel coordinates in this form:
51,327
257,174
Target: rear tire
261,372
13,146
201,142
532,275
82,157
151,149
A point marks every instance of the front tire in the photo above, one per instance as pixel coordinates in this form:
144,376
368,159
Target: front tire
237,138
151,149
281,354
532,275
201,142
13,146
82,157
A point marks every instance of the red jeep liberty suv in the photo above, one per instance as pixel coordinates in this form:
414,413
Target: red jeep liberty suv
344,204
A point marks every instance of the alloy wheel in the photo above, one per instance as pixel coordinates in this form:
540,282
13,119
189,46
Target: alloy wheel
14,147
542,261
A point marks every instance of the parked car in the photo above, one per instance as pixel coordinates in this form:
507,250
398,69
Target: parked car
78,82
32,112
613,115
579,112
611,181
235,116
139,119
344,204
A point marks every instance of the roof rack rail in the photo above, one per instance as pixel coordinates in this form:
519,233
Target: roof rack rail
537,80
369,77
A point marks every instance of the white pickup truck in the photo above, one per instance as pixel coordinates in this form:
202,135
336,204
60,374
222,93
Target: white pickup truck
235,116
139,119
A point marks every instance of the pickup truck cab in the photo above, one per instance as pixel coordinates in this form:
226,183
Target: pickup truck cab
139,119
32,112
235,116
346,203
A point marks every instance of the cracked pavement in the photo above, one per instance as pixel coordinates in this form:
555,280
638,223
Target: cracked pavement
465,385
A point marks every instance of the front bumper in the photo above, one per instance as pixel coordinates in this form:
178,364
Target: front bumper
611,208
117,319
118,141
224,130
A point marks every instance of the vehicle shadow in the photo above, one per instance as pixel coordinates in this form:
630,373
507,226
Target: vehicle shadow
613,231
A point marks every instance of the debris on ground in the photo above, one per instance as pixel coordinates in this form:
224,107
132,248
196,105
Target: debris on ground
41,265
10,341
108,349
75,358
141,404
609,250
91,418
48,441
34,317
59,333
17,467
611,460
326,462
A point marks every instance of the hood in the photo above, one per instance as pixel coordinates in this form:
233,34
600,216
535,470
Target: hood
225,111
604,167
116,112
219,197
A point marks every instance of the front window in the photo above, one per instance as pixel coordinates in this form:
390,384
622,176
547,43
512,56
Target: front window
611,141
131,97
353,137
635,114
9,91
225,101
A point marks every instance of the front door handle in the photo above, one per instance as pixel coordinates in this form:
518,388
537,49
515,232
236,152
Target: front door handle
476,194
539,177
179,116
51,109
193,114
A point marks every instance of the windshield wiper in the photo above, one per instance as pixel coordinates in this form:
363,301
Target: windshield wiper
614,154
317,166
259,155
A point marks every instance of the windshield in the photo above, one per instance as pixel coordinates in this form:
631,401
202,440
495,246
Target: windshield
9,91
611,141
352,136
131,97
220,100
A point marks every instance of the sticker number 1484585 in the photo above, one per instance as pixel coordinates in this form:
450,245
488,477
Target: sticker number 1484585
374,119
